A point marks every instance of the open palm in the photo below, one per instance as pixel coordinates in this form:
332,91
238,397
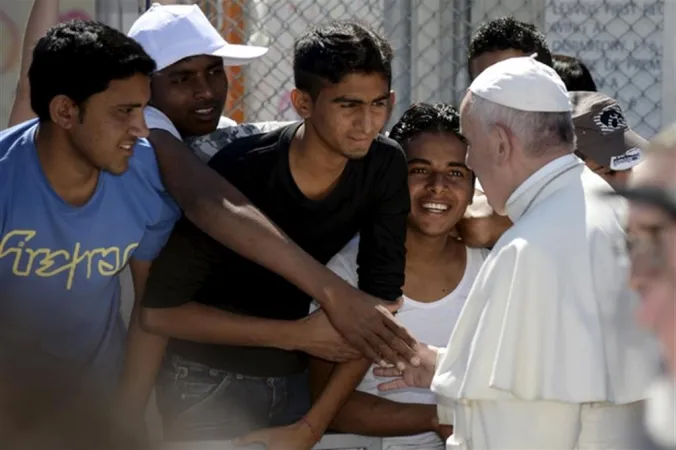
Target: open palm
412,376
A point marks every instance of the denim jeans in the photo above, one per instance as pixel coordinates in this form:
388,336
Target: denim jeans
197,402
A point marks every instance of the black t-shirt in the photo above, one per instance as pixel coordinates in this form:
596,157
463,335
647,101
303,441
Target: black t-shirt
370,198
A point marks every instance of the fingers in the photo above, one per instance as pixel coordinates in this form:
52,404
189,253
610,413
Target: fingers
401,340
387,372
394,306
399,330
349,353
383,348
392,385
363,345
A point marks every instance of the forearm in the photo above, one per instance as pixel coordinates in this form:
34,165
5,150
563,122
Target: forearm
223,212
44,15
342,382
143,358
204,324
369,415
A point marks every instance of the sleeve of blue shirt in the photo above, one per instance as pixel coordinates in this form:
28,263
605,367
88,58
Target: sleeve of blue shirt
163,211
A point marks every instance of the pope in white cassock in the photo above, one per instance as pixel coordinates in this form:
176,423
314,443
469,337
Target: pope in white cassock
546,354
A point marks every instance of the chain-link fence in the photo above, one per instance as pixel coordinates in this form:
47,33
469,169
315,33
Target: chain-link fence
621,41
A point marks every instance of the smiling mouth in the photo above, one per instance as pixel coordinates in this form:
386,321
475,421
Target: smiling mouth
435,208
206,113
127,147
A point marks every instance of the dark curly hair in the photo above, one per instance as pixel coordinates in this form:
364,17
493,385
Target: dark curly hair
574,73
507,33
79,59
425,117
329,52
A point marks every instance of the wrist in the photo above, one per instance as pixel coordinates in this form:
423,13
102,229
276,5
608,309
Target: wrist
290,335
332,289
311,432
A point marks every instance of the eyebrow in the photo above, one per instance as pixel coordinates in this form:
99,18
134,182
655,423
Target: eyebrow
429,163
130,105
347,99
180,73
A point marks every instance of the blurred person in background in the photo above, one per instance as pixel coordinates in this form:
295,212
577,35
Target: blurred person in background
546,353
574,73
604,140
34,416
652,243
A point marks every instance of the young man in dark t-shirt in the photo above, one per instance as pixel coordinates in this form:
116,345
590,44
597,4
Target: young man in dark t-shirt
237,359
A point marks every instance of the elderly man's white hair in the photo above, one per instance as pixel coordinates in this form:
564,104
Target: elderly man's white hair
539,132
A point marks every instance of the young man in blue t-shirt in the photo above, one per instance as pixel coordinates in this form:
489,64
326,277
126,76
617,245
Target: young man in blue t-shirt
80,198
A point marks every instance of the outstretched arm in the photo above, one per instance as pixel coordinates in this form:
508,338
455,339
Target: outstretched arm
223,212
43,16
370,415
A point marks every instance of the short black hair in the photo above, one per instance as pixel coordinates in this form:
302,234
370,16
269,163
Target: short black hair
507,33
574,73
425,117
329,52
79,59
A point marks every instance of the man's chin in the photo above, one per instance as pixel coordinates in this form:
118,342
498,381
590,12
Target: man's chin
356,154
200,129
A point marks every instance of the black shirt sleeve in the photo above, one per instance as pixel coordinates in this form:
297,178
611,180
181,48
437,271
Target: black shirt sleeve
382,251
181,267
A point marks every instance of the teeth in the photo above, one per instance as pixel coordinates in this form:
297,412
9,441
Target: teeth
204,111
435,207
126,147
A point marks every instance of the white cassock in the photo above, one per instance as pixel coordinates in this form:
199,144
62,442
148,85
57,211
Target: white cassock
546,354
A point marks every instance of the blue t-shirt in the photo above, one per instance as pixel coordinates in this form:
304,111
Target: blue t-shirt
60,264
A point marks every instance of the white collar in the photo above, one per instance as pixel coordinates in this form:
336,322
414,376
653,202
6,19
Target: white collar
523,196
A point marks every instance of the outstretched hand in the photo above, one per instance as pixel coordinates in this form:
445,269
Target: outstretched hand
369,325
322,340
420,376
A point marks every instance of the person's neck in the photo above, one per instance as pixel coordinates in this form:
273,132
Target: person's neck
311,155
71,176
429,250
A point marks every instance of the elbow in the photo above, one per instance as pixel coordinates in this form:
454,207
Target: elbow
197,208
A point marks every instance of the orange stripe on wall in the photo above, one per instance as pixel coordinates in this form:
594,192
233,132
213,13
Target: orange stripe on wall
233,31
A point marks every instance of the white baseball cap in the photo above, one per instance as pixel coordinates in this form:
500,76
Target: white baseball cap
524,84
169,33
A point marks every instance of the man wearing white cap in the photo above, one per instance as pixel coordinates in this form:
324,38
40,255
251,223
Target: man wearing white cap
545,354
189,88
